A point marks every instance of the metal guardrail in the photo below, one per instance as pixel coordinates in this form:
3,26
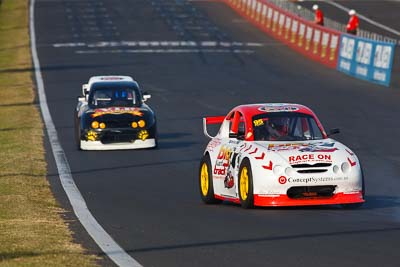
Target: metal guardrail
330,23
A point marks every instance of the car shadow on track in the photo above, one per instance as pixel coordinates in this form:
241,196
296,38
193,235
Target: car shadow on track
275,238
165,141
172,145
371,202
378,202
121,167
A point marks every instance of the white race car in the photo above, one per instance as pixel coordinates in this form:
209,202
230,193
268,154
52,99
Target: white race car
277,155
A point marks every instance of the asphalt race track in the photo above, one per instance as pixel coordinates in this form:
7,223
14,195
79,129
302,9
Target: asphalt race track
148,200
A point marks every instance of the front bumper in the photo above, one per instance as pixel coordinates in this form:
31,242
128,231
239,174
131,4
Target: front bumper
284,200
137,144
118,138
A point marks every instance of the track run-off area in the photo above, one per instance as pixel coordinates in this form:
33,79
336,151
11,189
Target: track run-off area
199,58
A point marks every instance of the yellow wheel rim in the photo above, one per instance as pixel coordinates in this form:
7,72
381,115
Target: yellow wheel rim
204,179
244,183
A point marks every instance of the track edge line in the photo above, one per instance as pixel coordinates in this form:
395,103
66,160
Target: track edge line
106,243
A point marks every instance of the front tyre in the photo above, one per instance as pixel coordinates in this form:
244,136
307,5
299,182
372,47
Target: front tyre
206,181
246,192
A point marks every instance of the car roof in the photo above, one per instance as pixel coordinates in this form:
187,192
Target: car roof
115,79
251,110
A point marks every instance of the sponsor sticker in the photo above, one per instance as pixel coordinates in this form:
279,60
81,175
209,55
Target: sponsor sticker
111,78
223,160
304,147
282,180
316,180
258,122
310,157
213,144
280,108
104,111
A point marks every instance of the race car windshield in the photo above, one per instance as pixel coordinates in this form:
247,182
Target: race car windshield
285,126
113,97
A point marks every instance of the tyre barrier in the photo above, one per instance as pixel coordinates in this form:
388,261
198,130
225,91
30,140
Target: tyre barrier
362,58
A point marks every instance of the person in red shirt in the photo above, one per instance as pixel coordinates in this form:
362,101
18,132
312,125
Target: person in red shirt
319,16
352,26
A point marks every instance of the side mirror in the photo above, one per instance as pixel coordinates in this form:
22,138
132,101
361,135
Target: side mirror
146,96
85,89
333,131
81,98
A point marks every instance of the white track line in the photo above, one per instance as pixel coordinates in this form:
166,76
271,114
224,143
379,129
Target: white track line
165,51
155,44
99,235
377,24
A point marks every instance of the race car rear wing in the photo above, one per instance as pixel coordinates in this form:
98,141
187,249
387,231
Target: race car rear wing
211,120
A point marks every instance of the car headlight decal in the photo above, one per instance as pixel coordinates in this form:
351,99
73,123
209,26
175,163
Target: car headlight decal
143,135
91,136
141,123
335,169
345,167
95,124
289,171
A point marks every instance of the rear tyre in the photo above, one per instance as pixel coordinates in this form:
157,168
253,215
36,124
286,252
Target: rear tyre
246,192
206,181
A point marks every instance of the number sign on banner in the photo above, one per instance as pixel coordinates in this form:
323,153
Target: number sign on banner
366,59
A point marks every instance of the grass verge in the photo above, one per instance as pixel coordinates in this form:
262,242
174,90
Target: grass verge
32,232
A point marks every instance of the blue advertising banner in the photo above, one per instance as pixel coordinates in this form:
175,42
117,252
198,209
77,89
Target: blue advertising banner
366,59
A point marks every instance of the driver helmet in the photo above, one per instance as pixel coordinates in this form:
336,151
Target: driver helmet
352,12
280,124
120,94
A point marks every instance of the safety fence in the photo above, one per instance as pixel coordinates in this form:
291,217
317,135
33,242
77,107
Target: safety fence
359,57
316,42
330,23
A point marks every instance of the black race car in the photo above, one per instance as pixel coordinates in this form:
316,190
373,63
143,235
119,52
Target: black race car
112,115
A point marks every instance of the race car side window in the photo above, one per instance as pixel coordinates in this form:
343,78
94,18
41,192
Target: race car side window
101,98
306,128
285,126
300,128
104,95
241,128
316,132
237,126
